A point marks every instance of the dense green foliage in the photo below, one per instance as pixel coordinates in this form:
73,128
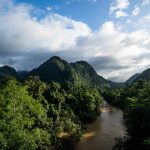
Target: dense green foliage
135,102
49,111
36,115
23,120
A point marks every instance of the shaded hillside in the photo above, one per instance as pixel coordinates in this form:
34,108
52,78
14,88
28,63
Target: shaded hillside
86,73
55,69
145,75
22,75
132,78
7,71
59,70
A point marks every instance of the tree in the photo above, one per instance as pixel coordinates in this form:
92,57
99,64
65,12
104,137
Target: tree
23,120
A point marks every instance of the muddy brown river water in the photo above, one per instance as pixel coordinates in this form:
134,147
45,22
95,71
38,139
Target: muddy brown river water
100,134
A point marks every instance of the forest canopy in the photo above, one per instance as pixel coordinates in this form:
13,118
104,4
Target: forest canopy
36,115
135,102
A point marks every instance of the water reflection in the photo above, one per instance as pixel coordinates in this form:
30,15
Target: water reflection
100,134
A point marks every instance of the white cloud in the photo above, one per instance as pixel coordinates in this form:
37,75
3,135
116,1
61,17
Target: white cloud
120,14
128,51
145,2
136,11
146,18
26,41
118,7
53,32
119,4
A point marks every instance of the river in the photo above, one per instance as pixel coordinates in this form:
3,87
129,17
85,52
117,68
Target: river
100,134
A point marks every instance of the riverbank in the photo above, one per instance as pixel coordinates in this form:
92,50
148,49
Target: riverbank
100,134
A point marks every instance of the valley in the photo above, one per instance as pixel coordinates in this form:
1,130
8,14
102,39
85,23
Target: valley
59,102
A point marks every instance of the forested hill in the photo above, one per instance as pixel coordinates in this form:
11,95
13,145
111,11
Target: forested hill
132,78
50,114
59,70
81,72
144,75
44,114
7,71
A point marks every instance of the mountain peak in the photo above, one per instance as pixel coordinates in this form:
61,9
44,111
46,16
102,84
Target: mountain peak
84,65
55,58
82,62
54,69
7,67
132,78
55,61
144,75
7,71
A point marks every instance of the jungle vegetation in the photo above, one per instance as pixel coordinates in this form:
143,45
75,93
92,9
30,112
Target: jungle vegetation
37,115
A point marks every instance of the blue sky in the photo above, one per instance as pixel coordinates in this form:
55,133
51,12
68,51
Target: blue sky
112,35
91,12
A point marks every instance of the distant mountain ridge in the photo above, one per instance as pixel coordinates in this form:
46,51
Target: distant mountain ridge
59,70
81,72
7,71
10,71
145,75
132,78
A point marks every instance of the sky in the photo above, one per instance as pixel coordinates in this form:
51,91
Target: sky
112,35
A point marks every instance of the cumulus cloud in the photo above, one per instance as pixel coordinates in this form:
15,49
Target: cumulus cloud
52,32
21,33
117,54
118,7
121,13
26,42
